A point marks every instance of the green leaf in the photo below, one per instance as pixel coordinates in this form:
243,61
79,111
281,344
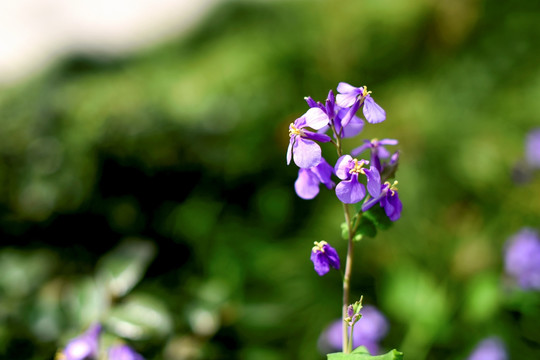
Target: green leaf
366,227
377,215
344,231
122,268
361,353
140,317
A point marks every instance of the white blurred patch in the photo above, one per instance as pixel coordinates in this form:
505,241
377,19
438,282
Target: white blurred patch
33,33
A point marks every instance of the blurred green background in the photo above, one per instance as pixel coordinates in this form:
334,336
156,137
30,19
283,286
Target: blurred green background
151,192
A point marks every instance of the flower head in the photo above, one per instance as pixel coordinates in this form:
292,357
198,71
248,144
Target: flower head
347,96
324,256
350,190
85,346
302,146
308,181
344,119
388,199
522,258
491,348
378,150
123,352
532,148
368,331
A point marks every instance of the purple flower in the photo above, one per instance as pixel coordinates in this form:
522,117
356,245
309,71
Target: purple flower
347,96
350,190
324,256
123,352
378,151
368,331
491,348
308,181
532,148
388,199
522,258
302,146
84,346
345,121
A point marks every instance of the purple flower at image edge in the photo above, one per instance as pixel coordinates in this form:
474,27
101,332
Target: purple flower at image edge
368,331
123,352
302,148
491,348
85,346
388,199
347,96
532,148
308,181
522,258
324,257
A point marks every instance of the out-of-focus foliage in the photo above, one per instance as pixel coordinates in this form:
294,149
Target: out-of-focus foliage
184,146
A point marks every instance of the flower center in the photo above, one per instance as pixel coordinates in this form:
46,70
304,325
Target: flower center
365,92
375,142
319,246
392,188
358,167
293,130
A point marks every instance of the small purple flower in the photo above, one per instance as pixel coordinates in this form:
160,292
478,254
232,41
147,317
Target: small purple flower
378,151
345,121
350,190
388,199
532,148
308,181
522,258
347,96
84,346
302,146
368,331
123,352
491,348
324,256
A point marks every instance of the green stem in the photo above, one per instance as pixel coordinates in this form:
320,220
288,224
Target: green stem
347,278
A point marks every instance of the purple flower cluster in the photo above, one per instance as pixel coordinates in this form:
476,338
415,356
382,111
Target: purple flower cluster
522,258
357,177
368,331
86,347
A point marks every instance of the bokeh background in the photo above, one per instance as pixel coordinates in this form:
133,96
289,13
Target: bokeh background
143,181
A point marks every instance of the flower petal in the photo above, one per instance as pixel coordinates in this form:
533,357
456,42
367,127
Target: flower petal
324,172
343,167
289,149
306,153
393,206
350,191
316,136
374,113
307,184
332,256
344,88
320,262
361,148
316,118
349,115
373,181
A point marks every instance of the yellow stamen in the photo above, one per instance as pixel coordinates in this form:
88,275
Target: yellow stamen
358,167
319,246
293,130
365,92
